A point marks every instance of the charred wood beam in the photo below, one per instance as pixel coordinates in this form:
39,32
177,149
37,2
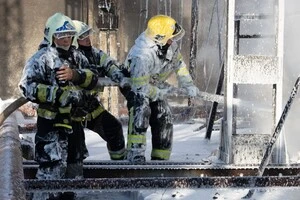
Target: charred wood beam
194,28
245,16
169,169
245,36
156,183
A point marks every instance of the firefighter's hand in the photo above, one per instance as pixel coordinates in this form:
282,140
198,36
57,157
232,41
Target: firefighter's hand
192,101
192,91
65,97
162,93
125,82
65,73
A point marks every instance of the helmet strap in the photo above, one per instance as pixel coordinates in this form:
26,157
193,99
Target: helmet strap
66,48
162,50
85,48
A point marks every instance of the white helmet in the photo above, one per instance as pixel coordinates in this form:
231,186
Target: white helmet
83,31
59,25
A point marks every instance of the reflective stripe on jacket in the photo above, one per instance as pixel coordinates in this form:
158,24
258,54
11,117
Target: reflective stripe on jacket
39,83
148,71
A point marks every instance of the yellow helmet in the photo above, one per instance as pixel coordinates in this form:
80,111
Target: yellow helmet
161,28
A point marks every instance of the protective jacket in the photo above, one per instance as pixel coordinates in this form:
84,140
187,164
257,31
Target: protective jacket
40,85
149,68
104,64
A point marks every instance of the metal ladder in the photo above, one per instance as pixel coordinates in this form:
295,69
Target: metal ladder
254,64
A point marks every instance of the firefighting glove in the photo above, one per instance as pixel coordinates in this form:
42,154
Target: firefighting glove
117,76
124,70
162,93
192,91
94,107
89,104
78,112
125,82
65,97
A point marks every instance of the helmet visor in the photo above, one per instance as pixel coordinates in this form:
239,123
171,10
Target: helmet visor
178,36
178,33
61,35
85,34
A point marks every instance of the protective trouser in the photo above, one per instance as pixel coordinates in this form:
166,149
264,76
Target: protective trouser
51,152
77,151
162,130
110,129
143,113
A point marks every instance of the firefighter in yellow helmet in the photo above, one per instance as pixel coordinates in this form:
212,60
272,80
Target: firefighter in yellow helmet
153,58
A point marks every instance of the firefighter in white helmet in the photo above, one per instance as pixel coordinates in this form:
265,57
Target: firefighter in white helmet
98,118
54,78
153,58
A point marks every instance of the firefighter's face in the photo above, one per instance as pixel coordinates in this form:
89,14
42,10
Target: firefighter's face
85,42
169,41
65,41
